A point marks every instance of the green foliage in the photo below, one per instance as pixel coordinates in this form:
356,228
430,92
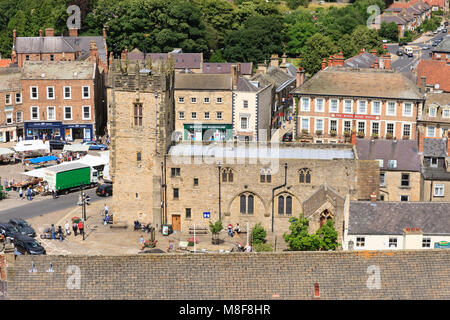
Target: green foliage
258,234
388,31
316,48
216,227
294,4
299,238
262,247
431,24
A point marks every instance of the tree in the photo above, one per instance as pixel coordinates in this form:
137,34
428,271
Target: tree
258,234
365,38
316,48
347,46
294,4
298,34
299,238
388,31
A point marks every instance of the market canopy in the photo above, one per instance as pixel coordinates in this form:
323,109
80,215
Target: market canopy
93,161
42,159
32,145
6,151
38,173
76,148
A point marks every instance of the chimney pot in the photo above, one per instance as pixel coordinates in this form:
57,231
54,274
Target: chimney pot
49,32
324,63
73,32
316,291
300,77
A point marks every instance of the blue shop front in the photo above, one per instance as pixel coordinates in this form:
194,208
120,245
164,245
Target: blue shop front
58,130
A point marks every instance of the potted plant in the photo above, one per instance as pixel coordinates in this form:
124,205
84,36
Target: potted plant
305,131
361,134
347,133
333,133
375,135
405,137
215,228
389,135
318,132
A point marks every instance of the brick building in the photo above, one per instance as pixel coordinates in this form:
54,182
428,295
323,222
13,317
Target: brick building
433,75
435,170
11,104
62,98
376,103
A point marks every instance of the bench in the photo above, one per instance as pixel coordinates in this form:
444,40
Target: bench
118,226
198,230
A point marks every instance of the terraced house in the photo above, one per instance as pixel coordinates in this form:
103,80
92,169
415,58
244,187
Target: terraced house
11,113
376,103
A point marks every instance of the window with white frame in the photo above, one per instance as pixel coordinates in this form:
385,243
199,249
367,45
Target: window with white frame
319,124
18,97
193,100
34,93
34,113
193,115
390,128
406,130
407,110
392,164
431,131
320,105
348,106
51,113
86,92
219,100
391,109
206,115
426,242
305,104
333,126
206,100
432,112
9,117
360,241
376,107
438,190
376,128
393,243
334,105
305,124
362,127
8,99
347,126
219,115
446,113
181,115
180,99
50,93
362,107
244,123
86,112
67,93
19,116
67,113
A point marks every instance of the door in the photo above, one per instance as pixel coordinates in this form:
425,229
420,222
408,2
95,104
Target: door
176,222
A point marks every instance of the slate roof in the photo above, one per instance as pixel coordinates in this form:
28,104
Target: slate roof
244,84
318,198
386,218
436,174
434,148
276,76
58,70
406,153
10,79
61,44
181,60
222,67
364,60
444,46
436,72
200,81
349,82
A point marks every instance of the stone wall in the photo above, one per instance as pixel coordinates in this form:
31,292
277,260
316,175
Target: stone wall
420,274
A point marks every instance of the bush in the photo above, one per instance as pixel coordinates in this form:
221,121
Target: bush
258,234
375,135
263,247
389,135
361,134
333,133
215,227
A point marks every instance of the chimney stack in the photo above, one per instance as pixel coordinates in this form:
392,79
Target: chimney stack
274,60
300,77
423,84
283,65
376,64
374,52
234,75
104,33
73,32
316,291
40,32
94,51
324,63
49,32
362,51
421,134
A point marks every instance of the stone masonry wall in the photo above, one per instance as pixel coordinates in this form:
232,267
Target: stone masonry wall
420,274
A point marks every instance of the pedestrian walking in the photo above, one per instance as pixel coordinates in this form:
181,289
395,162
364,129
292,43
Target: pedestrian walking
20,193
106,210
67,227
141,242
81,227
29,194
52,229
60,232
75,228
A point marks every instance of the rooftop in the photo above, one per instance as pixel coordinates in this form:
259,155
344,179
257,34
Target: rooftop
390,218
444,46
10,79
181,60
222,67
200,81
348,82
364,60
434,148
405,152
436,72
58,70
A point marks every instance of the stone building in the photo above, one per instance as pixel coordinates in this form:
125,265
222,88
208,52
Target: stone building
11,114
376,103
62,98
141,120
434,118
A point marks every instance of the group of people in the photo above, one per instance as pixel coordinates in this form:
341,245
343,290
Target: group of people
233,231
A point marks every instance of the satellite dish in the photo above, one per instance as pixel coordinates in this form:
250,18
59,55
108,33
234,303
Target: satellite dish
436,86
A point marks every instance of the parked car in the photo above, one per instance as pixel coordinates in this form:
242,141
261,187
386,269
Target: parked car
440,39
402,43
410,54
28,245
435,43
58,144
23,227
399,53
105,190
435,31
426,48
287,137
95,146
444,30
9,231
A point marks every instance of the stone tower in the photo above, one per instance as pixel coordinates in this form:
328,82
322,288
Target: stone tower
140,123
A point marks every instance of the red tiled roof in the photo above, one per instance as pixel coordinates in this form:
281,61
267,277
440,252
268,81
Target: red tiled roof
435,72
439,3
4,63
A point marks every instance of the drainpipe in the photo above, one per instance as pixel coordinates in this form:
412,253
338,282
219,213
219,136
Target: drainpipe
273,193
220,211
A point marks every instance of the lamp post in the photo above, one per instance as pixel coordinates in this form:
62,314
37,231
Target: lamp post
220,211
273,194
83,209
156,123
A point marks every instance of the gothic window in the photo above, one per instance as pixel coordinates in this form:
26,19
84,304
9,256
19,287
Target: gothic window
265,176
280,205
227,175
250,204
288,205
243,202
246,203
325,216
305,175
138,114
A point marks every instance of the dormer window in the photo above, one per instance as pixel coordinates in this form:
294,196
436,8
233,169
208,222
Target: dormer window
432,112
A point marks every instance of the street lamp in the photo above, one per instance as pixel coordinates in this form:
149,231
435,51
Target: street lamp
156,122
83,209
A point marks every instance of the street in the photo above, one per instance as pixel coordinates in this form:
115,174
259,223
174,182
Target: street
38,208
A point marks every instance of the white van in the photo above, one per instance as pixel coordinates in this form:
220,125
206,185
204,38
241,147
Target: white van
408,50
32,145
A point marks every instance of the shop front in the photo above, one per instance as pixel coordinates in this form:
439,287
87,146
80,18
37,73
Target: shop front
208,132
37,130
8,133
78,131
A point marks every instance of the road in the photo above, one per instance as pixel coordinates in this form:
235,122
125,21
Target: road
42,207
404,63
